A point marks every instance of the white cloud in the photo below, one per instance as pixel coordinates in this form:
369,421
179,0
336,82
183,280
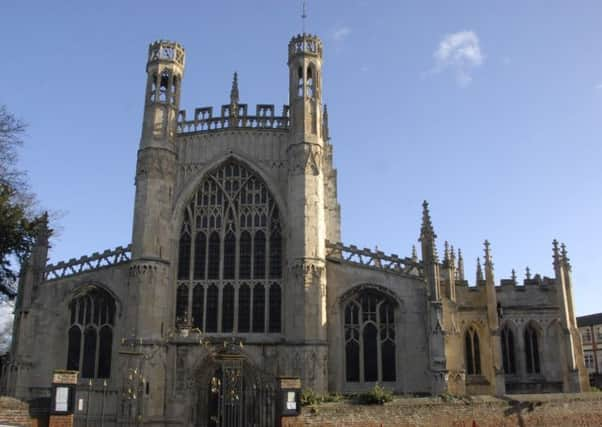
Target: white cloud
599,86
341,33
461,53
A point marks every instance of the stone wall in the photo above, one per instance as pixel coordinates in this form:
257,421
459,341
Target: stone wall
13,412
554,410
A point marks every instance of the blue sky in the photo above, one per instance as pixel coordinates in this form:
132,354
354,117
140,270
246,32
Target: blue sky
490,110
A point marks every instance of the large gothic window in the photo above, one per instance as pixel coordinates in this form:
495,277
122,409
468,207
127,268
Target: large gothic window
369,338
472,352
507,338
230,256
90,334
531,350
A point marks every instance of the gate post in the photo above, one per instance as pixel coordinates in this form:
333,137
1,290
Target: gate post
288,404
63,398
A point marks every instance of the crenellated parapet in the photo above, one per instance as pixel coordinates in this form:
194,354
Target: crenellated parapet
338,252
86,263
305,44
166,51
233,117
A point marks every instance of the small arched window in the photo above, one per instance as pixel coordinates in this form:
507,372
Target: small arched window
369,330
90,335
310,82
472,352
300,82
531,350
507,338
164,86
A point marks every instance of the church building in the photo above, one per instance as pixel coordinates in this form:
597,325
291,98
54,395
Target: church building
236,275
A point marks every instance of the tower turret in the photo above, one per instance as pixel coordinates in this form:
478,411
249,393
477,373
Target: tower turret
306,242
150,296
305,87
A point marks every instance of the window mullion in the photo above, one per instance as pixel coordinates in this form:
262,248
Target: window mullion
191,270
97,352
379,371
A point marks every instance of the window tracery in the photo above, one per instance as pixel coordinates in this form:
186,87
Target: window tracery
531,350
370,351
229,280
90,335
472,352
507,338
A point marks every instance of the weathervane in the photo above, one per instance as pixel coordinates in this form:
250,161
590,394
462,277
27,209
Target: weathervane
304,15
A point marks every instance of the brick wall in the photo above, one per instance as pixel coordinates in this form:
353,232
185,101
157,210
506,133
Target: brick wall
527,410
13,412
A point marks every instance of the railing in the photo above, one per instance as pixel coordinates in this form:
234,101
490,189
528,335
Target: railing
338,252
204,121
95,261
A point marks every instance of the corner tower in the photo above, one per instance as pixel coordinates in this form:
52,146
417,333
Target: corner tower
149,291
306,249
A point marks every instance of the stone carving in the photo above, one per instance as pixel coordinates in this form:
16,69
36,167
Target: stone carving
142,270
309,272
305,159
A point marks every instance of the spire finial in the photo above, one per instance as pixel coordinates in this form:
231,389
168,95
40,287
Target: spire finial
234,97
479,271
488,262
460,265
513,276
414,253
452,256
528,273
565,257
446,256
427,227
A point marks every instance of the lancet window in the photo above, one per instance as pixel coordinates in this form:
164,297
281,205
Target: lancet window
230,256
369,325
472,352
508,351
90,334
531,350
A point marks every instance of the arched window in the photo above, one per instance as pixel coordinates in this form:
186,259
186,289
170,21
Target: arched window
472,352
310,82
230,250
300,82
531,350
507,338
90,334
370,351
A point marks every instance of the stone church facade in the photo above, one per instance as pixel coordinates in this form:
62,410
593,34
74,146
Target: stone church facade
236,275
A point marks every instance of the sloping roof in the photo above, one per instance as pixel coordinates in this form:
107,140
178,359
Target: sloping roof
590,319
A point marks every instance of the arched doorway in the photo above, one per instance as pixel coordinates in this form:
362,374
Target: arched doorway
234,393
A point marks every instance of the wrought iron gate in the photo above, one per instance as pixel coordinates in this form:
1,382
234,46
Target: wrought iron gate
240,395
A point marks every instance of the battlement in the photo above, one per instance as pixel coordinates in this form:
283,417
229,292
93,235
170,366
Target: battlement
166,51
305,44
233,116
338,252
92,262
